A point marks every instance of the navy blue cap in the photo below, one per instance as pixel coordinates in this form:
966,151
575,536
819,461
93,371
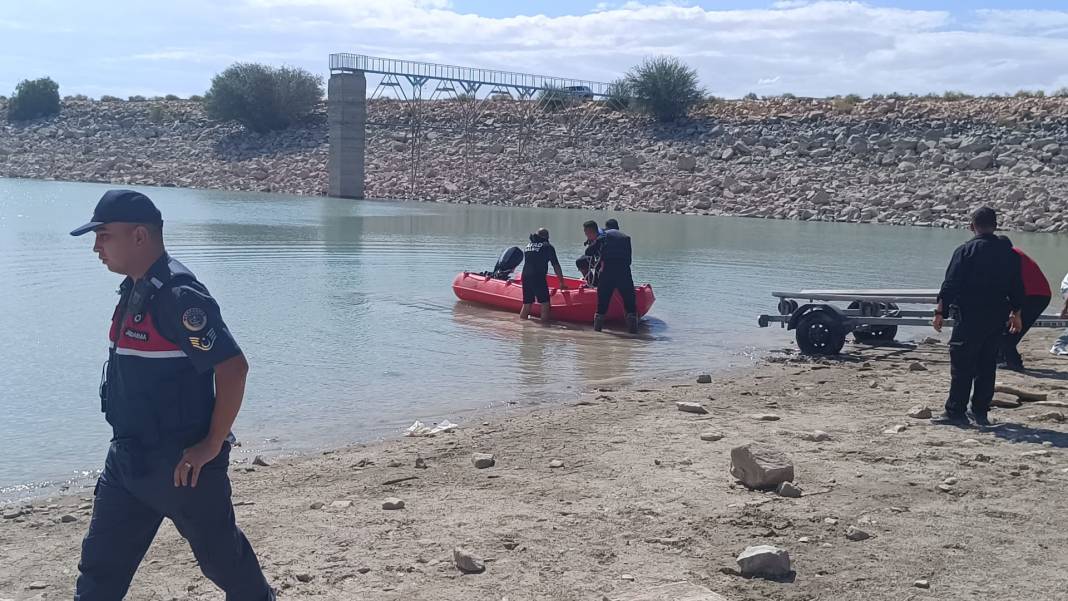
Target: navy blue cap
126,206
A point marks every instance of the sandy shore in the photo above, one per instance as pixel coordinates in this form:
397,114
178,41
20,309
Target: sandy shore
641,500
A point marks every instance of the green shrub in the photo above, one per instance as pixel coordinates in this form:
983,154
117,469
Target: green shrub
664,87
853,98
955,95
1030,94
172,97
1061,92
196,98
76,98
33,99
106,98
620,94
787,96
136,99
751,96
263,98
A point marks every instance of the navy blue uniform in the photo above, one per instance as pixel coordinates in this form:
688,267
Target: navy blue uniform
614,249
158,394
982,285
537,256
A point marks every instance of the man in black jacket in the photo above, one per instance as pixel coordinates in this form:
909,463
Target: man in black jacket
613,247
983,289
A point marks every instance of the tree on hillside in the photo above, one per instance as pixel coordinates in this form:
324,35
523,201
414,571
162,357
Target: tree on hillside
664,87
263,98
34,99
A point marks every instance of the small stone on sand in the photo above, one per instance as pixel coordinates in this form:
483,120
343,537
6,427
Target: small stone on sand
856,534
483,460
688,407
920,412
467,562
788,489
392,504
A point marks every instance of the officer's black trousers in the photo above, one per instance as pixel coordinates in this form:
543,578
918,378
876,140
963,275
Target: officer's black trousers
134,493
973,356
612,280
1032,309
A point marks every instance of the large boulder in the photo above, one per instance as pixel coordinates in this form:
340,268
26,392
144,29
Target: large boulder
764,561
760,468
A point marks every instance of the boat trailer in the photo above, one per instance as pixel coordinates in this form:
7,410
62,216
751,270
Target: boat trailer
872,316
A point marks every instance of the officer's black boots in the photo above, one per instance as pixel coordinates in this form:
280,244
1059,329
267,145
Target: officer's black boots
632,323
598,322
950,419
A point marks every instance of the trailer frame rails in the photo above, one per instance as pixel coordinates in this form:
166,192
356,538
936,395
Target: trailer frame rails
873,316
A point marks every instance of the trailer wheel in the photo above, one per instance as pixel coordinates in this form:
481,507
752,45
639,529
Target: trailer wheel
818,333
874,334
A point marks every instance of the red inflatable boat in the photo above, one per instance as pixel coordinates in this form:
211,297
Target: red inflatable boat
578,303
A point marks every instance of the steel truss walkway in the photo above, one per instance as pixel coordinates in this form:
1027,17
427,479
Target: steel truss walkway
470,79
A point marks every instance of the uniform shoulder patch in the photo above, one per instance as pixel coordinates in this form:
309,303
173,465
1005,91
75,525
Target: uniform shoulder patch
194,319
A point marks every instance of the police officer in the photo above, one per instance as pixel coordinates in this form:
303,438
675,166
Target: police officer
172,387
982,291
614,249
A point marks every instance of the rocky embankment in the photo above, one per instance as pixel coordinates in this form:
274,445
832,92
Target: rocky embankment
904,162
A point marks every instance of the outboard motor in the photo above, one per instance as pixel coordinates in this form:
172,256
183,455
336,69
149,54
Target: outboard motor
506,264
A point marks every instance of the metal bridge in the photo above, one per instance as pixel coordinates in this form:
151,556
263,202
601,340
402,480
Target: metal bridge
470,79
523,117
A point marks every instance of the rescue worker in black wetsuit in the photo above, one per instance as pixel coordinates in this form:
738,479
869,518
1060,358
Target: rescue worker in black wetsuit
982,291
172,387
614,249
589,266
537,256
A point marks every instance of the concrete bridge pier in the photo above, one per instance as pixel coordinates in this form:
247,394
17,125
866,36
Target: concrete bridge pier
347,114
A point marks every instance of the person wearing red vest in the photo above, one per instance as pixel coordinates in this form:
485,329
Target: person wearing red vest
1037,295
172,388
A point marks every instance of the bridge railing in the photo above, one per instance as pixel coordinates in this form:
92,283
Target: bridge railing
345,62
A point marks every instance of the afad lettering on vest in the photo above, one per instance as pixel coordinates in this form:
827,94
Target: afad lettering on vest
141,338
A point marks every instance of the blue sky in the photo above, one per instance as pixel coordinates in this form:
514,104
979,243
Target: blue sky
495,8
807,47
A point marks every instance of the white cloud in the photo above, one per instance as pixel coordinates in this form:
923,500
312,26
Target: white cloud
809,47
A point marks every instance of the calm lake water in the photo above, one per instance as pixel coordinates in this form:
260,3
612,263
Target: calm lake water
345,310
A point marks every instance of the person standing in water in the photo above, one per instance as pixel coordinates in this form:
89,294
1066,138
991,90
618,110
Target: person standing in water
614,249
537,256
